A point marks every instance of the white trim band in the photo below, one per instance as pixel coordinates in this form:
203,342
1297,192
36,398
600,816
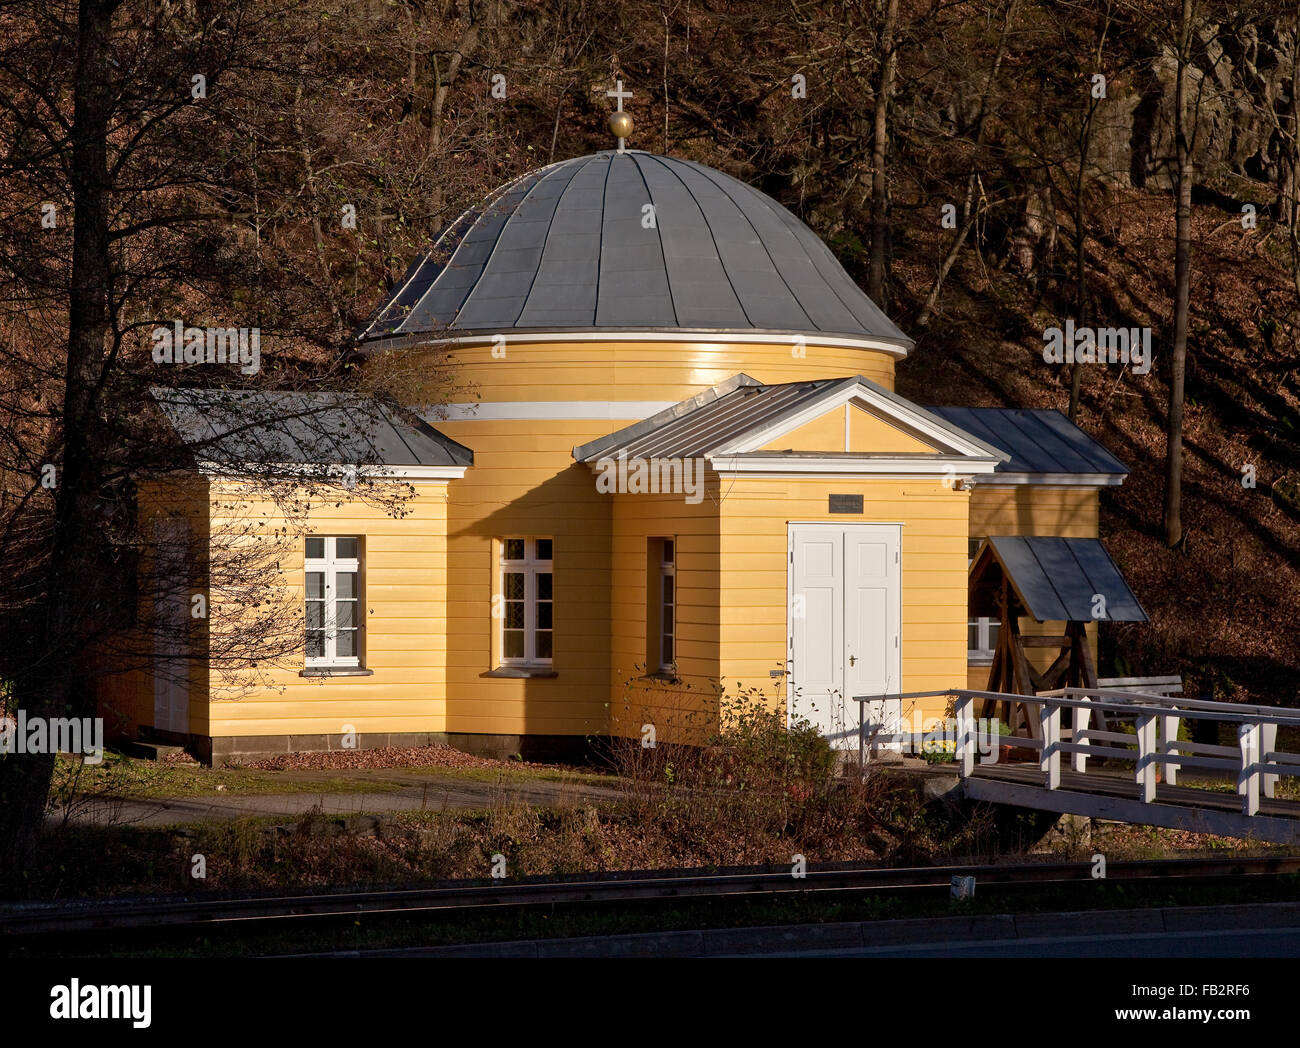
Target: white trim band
279,471
728,338
545,410
853,465
1059,480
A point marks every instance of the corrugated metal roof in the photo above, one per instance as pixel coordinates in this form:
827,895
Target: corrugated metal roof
565,248
1056,579
1038,441
303,428
719,416
701,431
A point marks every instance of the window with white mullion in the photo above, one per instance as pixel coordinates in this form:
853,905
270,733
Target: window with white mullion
527,593
982,637
333,598
668,607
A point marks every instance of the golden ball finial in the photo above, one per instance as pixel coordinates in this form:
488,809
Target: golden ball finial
621,124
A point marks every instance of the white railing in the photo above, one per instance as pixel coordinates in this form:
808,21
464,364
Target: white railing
1154,745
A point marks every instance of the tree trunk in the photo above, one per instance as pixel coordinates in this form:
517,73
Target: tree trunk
52,688
1182,291
879,192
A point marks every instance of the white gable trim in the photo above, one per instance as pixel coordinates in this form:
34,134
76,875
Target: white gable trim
914,423
546,410
961,467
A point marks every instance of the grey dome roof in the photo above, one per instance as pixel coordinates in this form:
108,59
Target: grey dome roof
563,248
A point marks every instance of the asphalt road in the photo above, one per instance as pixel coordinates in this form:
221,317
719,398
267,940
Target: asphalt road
1232,943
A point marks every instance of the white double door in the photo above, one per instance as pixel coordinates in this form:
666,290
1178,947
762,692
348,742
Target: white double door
845,613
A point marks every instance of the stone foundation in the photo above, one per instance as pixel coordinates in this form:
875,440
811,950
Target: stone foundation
227,749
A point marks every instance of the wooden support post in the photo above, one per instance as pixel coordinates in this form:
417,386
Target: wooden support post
1050,718
1057,674
1248,777
1024,681
1089,672
1146,764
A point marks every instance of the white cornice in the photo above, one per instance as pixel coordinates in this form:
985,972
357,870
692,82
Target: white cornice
959,467
733,338
545,410
276,471
1054,480
893,410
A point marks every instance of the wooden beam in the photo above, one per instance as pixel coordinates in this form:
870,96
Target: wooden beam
1058,669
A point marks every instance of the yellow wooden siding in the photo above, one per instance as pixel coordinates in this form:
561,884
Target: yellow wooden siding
753,575
403,600
125,684
684,711
552,497
667,371
824,433
524,483
849,427
429,577
1030,509
869,432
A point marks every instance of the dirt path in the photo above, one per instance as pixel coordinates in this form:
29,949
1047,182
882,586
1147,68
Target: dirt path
418,793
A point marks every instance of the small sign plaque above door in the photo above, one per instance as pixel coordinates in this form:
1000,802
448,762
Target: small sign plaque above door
845,504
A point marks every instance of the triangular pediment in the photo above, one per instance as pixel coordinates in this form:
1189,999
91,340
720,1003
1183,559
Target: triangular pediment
853,427
854,421
856,416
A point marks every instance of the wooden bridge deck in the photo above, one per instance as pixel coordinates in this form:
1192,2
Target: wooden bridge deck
1101,752
1113,793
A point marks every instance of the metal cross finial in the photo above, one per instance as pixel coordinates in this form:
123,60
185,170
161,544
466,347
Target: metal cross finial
619,122
619,94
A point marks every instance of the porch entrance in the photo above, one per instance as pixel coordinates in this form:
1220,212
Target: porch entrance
844,615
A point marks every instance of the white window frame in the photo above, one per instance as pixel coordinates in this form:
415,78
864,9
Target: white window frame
331,566
667,569
530,567
985,652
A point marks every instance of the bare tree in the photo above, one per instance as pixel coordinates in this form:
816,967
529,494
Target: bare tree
1183,124
886,26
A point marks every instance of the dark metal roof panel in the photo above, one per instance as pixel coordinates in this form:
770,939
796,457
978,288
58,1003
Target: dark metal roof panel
732,416
1038,441
303,428
1059,579
566,247
715,418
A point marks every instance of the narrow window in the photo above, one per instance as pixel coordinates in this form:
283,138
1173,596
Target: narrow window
667,606
333,599
527,589
660,606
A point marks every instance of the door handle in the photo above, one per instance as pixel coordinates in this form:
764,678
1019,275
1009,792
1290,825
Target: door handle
853,660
